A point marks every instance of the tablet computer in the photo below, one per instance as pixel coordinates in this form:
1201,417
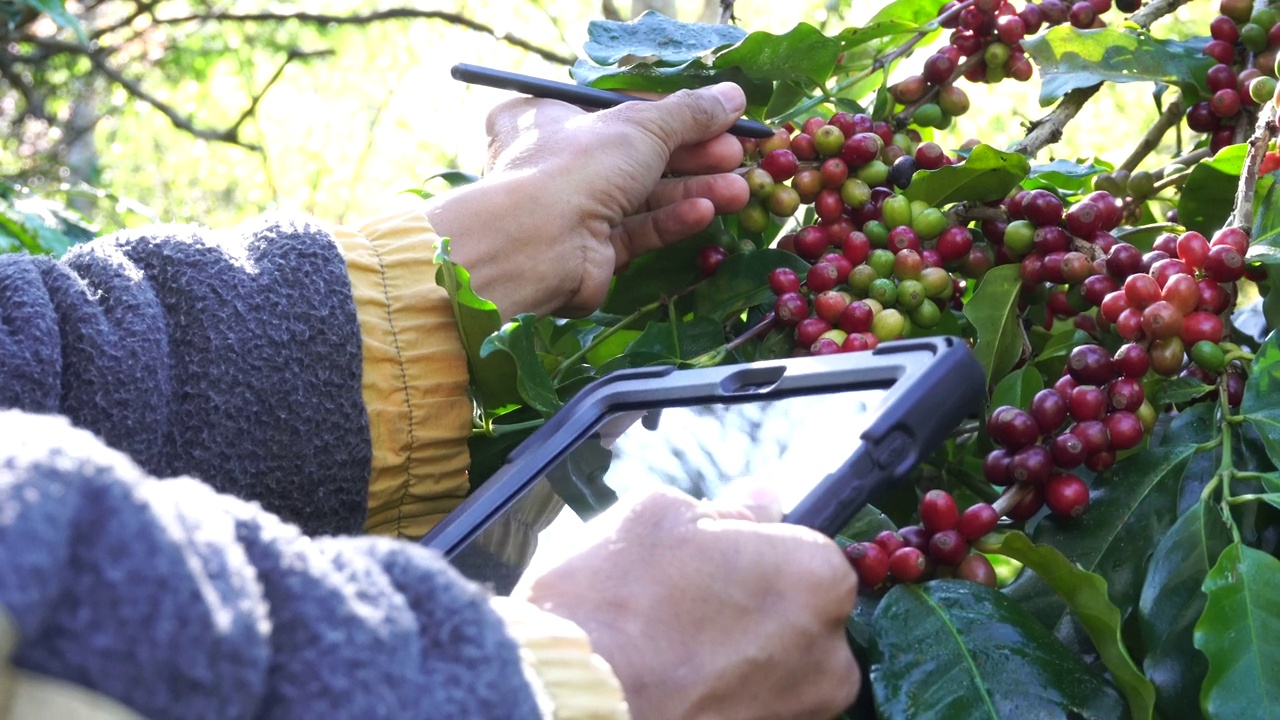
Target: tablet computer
826,433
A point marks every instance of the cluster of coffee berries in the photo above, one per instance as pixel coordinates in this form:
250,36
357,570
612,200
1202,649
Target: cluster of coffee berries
1244,42
1172,297
880,262
939,545
1098,408
841,306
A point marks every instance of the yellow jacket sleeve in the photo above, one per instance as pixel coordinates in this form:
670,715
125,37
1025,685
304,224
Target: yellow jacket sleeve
415,387
415,373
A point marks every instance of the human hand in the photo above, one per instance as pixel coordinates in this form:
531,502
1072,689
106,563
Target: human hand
703,612
571,196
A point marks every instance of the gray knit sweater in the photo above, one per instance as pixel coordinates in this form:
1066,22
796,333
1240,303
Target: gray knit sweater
234,358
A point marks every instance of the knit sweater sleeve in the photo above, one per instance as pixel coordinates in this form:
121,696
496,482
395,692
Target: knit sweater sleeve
182,602
232,356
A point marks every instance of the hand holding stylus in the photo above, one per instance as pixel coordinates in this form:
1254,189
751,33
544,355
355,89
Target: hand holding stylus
571,196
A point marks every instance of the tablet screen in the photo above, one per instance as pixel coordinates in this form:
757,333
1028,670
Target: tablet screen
789,444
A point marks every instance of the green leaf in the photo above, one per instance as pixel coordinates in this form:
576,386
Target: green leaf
1086,596
993,310
1018,387
657,37
1131,507
1069,58
1179,390
494,378
664,272
1209,194
1052,357
662,343
1238,632
518,338
866,525
673,55
899,17
987,174
1171,603
1062,175
1261,403
957,649
1265,244
741,282
57,11
803,53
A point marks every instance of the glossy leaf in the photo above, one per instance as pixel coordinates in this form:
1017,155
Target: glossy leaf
896,18
866,524
1086,596
1051,356
1261,404
1131,507
993,310
1180,390
1195,424
1069,58
1265,243
657,37
533,381
957,649
1238,632
803,53
494,377
1209,193
1062,175
742,281
1018,388
987,174
654,275
662,343
1171,603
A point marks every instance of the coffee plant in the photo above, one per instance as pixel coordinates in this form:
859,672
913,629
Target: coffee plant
1103,543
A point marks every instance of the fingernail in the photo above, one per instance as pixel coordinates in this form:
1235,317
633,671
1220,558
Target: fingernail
731,96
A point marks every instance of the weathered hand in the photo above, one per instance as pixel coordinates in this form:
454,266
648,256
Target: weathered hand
570,196
703,612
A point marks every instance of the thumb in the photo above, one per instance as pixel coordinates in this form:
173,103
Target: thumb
688,117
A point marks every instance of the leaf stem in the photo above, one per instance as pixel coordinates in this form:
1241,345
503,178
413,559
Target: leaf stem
1243,499
613,330
759,328
500,430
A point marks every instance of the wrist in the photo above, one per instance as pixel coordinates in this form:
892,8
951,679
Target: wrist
491,225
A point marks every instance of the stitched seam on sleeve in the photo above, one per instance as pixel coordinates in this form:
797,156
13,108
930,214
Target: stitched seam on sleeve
404,384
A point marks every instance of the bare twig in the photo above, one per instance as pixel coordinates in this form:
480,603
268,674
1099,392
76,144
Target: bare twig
964,213
1171,116
765,325
324,19
257,97
1048,129
1011,498
726,12
1263,133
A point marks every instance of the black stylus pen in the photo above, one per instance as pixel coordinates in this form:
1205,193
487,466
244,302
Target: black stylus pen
576,94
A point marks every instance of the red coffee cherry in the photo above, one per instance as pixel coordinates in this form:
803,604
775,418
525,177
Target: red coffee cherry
870,562
948,548
976,567
977,520
938,511
1066,495
907,565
